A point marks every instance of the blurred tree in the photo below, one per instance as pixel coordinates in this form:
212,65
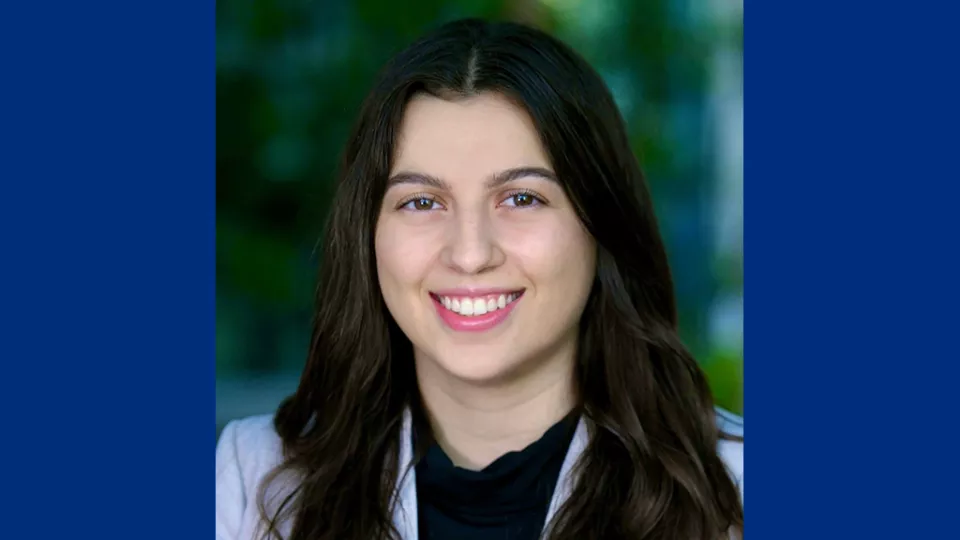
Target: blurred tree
290,78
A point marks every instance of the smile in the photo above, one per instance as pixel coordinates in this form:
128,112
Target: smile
475,312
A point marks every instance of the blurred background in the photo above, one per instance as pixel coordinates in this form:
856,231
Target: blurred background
291,75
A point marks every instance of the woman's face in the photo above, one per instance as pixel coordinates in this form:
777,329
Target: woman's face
482,260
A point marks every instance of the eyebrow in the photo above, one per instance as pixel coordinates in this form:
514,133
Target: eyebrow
494,181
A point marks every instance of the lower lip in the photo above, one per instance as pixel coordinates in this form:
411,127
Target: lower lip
476,323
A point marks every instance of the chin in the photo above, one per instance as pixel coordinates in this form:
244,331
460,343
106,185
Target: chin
477,367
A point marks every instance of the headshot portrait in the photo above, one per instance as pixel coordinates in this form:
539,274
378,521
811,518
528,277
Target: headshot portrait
505,332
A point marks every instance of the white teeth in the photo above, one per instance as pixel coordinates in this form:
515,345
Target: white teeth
466,306
477,306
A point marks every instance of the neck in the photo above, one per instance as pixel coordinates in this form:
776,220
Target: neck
476,424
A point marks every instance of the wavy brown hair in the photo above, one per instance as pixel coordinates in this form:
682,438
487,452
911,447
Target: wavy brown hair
651,469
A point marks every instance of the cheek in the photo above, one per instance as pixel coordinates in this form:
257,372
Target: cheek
403,256
556,253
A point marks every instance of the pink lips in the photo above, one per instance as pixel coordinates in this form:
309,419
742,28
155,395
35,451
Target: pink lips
474,323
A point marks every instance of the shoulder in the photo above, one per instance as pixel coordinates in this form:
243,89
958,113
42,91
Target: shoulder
247,450
731,452
254,434
248,444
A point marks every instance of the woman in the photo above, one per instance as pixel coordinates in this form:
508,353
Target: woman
494,352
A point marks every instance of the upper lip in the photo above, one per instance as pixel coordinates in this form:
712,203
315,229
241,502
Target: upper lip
476,291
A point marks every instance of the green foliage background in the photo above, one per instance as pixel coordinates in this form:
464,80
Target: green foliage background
290,79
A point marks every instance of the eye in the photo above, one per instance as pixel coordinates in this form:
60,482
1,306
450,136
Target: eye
522,199
420,203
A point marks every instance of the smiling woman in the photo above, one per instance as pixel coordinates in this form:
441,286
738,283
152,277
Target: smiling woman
497,224
495,351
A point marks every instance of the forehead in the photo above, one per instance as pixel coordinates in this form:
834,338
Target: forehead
474,136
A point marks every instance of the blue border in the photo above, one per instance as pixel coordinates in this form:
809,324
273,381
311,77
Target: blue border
107,219
850,249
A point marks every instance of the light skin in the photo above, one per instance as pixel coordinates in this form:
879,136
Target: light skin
473,203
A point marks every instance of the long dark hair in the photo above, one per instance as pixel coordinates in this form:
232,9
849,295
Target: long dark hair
651,469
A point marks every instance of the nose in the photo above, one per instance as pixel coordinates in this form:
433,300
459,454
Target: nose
472,246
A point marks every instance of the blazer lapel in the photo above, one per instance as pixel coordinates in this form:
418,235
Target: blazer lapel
405,507
565,481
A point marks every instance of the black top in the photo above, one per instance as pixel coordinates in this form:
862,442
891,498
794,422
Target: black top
508,500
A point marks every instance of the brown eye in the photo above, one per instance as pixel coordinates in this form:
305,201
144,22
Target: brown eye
523,199
420,204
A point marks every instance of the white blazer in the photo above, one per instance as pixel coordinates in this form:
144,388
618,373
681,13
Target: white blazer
248,449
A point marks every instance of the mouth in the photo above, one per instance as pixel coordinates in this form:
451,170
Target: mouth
475,312
476,306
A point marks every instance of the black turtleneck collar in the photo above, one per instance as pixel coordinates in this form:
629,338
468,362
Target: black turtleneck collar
508,499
